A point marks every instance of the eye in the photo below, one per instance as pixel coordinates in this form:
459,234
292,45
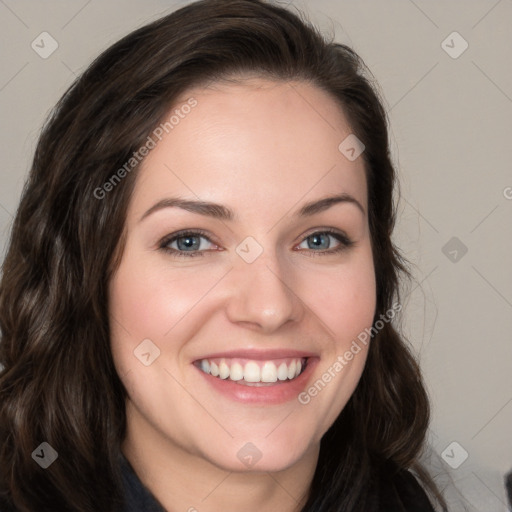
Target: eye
325,242
187,243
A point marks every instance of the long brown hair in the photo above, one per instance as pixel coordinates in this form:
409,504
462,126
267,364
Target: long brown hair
59,384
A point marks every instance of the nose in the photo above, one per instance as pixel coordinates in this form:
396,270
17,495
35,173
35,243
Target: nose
261,297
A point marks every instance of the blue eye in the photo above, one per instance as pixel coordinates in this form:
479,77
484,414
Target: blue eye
320,241
325,242
187,244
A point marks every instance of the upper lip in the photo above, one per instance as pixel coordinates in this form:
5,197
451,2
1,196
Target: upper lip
259,355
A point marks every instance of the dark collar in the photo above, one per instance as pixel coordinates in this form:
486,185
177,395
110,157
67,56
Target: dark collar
137,497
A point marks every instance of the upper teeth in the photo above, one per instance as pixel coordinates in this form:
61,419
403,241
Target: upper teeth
253,371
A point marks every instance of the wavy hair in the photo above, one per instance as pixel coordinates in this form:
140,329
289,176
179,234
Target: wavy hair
59,383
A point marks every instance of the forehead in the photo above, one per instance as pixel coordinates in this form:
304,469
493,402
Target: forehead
252,140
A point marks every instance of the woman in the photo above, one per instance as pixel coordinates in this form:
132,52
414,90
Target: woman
197,300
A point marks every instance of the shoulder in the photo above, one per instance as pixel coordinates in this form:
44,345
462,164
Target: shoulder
400,491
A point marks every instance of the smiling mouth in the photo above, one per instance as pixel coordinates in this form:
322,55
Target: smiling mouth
254,372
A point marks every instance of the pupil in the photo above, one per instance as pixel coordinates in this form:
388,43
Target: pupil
318,242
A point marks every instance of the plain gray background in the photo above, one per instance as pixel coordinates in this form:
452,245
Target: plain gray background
450,113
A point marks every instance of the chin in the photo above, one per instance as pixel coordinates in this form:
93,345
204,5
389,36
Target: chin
262,455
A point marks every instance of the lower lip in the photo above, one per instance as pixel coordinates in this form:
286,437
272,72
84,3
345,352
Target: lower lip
277,393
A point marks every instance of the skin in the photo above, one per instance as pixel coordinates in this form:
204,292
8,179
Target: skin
264,149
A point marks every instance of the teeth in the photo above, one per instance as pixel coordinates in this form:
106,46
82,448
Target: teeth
269,372
237,372
223,370
253,371
282,372
291,370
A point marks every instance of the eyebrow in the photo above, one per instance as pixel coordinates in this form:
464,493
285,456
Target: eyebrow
218,211
326,203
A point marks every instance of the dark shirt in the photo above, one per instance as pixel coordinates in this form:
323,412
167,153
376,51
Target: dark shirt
399,493
137,496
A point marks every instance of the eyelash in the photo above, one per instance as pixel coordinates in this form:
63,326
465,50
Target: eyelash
344,244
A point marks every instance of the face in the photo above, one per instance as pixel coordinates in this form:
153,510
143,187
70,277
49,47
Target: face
246,276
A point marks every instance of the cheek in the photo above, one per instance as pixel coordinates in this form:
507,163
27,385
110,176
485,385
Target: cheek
151,302
135,306
139,308
345,299
148,300
344,302
159,303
